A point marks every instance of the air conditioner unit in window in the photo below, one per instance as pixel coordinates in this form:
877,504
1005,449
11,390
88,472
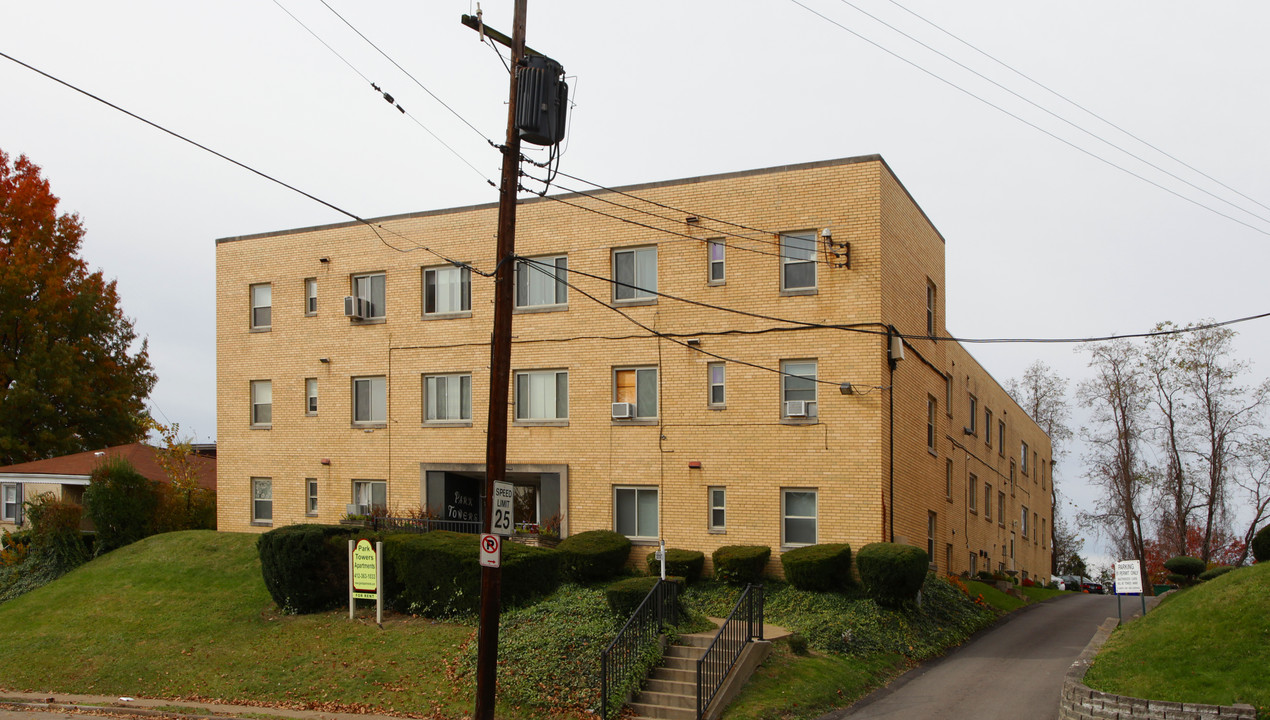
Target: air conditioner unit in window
623,411
796,408
355,509
354,307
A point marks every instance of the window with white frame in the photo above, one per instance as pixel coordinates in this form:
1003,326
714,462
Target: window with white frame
447,398
635,273
931,522
718,272
370,400
261,402
310,396
798,388
638,388
987,426
311,497
1000,437
798,517
310,296
798,261
370,287
10,503
716,373
948,394
541,281
974,563
635,511
1023,457
1034,520
1042,533
373,494
447,290
262,499
261,306
718,508
542,395
972,496
948,477
930,423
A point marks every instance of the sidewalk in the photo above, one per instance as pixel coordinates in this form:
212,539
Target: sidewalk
99,704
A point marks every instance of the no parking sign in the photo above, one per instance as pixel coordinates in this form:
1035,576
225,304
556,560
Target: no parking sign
491,550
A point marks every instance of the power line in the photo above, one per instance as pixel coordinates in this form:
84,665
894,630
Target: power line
1027,122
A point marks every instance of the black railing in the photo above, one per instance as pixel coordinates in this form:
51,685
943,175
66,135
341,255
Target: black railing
620,662
744,624
422,525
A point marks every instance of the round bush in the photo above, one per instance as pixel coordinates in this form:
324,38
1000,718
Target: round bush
1185,566
818,567
892,573
593,555
305,567
686,564
1261,545
1214,572
740,564
624,596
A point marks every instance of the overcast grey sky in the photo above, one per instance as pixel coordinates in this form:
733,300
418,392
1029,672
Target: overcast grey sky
1044,239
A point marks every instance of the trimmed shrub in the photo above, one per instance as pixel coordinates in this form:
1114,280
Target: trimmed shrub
121,502
624,596
892,573
1186,566
437,574
305,567
1214,572
55,533
686,564
740,564
593,555
1261,545
983,575
818,567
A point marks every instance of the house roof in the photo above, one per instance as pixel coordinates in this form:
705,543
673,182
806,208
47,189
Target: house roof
79,467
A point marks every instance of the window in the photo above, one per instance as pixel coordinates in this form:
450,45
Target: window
1042,533
370,287
798,517
310,396
1000,437
798,261
370,400
261,306
987,502
635,274
447,290
973,427
1001,508
635,511
262,402
1025,521
1023,456
948,474
974,563
262,500
715,249
930,536
10,503
718,508
930,308
540,282
948,393
638,387
930,424
1011,478
1034,528
1034,456
973,493
1042,474
987,426
310,296
716,374
447,398
311,492
371,493
798,388
542,395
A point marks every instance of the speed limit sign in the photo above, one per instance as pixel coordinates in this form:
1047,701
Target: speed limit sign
502,521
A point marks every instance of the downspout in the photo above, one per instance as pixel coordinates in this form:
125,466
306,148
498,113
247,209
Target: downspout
890,361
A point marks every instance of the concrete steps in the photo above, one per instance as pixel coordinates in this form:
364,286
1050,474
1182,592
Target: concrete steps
670,692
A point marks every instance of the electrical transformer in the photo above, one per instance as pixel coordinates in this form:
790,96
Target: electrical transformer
542,97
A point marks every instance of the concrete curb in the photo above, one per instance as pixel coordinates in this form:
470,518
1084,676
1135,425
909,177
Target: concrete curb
150,707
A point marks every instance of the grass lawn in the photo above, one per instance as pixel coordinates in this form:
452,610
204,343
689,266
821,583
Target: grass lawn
794,686
1208,644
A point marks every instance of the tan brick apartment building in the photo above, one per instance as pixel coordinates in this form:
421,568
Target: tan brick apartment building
722,428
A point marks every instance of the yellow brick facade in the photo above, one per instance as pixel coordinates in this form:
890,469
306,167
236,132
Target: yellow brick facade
743,446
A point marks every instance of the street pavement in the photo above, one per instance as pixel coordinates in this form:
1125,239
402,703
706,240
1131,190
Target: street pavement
1011,671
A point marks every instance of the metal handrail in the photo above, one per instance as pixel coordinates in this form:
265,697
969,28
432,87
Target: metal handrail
618,660
423,525
743,624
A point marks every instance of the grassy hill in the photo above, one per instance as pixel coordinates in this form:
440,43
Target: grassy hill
1208,644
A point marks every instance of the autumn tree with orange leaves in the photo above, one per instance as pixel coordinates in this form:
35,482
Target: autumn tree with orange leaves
70,379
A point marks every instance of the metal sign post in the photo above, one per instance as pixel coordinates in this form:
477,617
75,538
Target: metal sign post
1129,582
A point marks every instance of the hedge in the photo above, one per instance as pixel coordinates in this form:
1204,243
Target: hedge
740,564
686,564
593,555
892,573
438,574
1214,572
819,567
624,596
1186,566
305,567
1261,545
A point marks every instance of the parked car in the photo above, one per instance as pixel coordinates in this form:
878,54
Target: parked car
1091,586
1069,582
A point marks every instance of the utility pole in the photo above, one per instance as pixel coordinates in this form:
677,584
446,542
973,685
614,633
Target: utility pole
500,378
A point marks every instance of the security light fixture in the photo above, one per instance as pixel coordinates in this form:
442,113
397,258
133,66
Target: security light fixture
324,360
846,389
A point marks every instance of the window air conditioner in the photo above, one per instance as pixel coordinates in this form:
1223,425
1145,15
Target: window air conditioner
796,408
354,307
355,509
623,411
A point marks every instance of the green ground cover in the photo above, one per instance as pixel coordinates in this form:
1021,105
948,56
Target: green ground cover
1207,644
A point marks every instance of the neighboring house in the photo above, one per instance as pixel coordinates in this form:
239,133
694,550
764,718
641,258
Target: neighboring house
352,372
67,477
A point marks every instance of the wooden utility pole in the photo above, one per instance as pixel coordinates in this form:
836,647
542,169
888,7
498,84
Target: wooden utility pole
500,378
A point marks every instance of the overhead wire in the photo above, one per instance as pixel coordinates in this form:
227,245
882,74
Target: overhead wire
1030,124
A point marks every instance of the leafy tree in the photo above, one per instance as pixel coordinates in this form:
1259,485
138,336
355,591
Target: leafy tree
68,381
183,503
121,502
1042,393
